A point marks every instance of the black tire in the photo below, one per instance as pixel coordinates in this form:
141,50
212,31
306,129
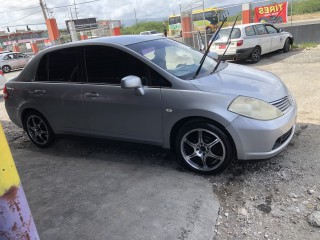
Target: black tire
6,68
255,55
209,154
287,46
38,129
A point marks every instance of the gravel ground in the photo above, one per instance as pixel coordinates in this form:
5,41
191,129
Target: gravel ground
273,199
270,199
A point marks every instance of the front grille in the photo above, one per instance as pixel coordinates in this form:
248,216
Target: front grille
282,139
282,104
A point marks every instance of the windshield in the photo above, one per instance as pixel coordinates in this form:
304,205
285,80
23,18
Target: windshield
176,58
224,33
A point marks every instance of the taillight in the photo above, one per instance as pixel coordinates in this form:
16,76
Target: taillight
5,93
1,72
239,43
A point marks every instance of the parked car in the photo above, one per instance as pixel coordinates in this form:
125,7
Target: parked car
153,32
250,41
2,80
145,89
13,60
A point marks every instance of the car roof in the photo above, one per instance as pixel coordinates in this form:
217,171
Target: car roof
124,40
248,24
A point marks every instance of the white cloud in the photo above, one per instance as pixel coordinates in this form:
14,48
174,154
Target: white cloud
103,9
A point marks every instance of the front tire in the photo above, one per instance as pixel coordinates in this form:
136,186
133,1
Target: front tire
287,46
203,148
38,129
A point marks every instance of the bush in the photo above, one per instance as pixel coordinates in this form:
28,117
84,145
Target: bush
305,6
144,26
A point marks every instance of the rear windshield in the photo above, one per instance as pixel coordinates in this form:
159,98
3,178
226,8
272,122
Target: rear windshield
224,33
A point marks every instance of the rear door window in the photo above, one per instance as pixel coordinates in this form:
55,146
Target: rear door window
261,29
60,66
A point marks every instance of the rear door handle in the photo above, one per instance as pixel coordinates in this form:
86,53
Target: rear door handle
92,95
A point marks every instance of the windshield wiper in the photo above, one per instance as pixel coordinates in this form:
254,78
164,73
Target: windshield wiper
228,44
213,38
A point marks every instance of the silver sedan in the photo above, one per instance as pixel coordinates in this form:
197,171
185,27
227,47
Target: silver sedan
144,89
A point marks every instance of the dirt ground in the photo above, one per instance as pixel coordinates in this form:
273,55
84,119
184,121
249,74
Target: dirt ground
269,199
272,199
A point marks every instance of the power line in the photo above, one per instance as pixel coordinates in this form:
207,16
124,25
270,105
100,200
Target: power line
22,9
72,5
20,18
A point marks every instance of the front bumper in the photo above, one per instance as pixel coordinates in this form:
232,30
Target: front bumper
256,139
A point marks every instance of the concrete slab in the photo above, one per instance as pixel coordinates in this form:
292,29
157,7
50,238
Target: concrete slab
84,193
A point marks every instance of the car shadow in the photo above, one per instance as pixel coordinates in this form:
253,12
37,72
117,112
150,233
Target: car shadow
271,58
132,153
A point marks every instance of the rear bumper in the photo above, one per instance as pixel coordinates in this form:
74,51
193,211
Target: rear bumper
240,54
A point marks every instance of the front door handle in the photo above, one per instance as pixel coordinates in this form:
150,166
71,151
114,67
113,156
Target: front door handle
92,95
39,92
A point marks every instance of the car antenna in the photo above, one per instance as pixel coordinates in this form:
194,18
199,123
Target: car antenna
228,44
212,39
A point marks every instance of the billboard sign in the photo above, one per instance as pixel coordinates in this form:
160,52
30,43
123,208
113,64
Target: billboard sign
275,13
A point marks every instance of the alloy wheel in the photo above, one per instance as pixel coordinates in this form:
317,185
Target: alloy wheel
38,130
202,149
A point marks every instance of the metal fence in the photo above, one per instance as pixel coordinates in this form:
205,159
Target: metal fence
231,11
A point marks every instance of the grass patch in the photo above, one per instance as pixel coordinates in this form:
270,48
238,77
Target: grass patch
305,45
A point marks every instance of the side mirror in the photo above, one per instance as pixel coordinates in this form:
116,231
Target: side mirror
132,82
213,55
280,30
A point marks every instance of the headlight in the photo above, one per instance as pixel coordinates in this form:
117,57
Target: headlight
254,108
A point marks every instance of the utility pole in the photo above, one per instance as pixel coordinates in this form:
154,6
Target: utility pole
135,15
75,9
43,10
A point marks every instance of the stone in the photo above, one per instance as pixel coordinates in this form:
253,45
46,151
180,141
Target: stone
293,195
242,211
311,191
226,214
314,219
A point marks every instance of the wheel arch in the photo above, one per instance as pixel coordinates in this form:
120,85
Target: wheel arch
28,110
183,121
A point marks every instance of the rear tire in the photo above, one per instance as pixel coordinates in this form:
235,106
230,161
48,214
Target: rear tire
287,46
255,55
38,129
203,148
6,68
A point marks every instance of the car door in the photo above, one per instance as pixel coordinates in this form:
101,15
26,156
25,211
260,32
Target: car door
116,112
263,38
11,60
277,41
57,87
23,59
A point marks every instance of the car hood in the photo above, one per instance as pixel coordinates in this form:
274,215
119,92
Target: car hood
245,81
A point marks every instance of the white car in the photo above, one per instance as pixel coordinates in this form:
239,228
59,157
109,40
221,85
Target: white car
13,60
152,32
250,41
2,80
